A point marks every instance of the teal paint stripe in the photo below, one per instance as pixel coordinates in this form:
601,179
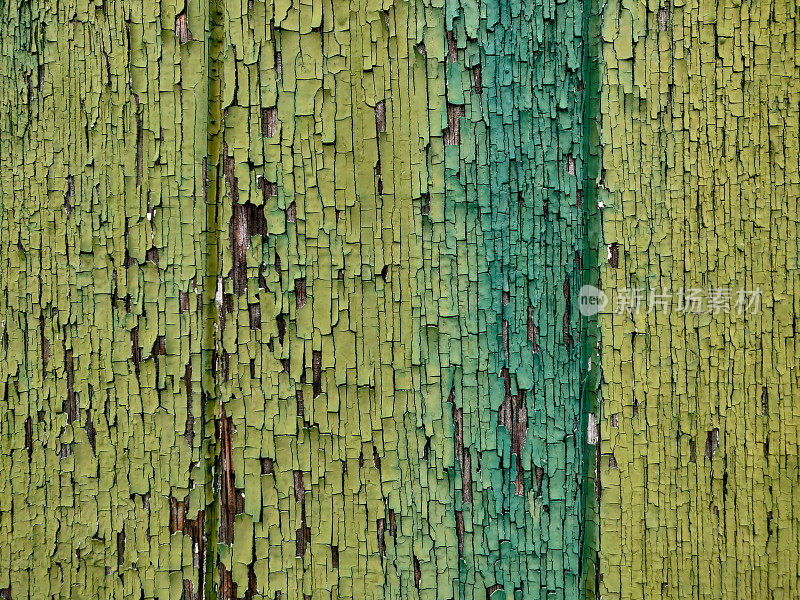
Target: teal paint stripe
514,194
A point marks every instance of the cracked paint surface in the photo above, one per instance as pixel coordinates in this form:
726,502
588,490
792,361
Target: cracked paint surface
304,279
699,455
289,300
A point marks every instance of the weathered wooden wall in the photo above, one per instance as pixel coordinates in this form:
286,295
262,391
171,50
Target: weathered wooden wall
701,187
289,299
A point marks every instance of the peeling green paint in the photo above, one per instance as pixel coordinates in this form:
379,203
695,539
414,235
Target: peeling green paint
309,302
699,117
290,290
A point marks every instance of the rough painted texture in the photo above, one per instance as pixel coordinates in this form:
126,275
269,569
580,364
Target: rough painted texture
699,424
106,440
286,302
511,349
407,210
288,299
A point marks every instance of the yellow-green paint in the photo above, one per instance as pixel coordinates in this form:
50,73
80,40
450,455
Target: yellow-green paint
104,246
289,307
700,412
255,274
